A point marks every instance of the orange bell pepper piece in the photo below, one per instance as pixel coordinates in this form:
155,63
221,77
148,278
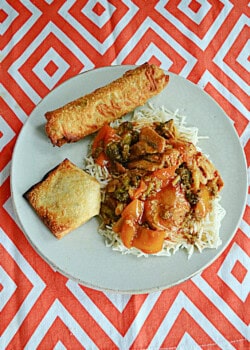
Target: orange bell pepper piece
102,159
128,231
104,136
134,209
126,226
117,226
149,241
135,193
165,174
204,205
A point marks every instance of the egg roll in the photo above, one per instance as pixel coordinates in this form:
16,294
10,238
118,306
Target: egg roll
89,113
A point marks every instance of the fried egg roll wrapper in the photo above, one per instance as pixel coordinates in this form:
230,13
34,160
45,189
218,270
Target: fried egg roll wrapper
65,198
89,113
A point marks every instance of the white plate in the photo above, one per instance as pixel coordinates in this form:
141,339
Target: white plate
82,255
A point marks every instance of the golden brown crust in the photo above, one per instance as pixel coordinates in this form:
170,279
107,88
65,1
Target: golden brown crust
65,198
89,113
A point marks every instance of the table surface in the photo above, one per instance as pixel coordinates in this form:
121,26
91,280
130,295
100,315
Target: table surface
43,43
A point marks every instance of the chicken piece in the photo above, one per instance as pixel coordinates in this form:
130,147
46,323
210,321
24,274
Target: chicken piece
167,210
167,129
153,139
150,142
140,149
202,171
146,165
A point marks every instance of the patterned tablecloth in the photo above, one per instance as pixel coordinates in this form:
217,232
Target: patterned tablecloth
45,42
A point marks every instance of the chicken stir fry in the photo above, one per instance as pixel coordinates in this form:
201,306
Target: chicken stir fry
159,183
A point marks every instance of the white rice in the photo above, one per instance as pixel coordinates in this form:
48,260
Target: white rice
207,230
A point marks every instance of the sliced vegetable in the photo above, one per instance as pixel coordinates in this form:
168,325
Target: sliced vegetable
135,193
134,209
117,226
127,225
164,175
204,204
149,241
128,231
102,159
104,136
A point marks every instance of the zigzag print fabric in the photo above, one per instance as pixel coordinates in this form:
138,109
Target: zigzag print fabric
44,43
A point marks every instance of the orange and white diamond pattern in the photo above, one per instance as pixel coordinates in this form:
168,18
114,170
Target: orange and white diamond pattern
42,44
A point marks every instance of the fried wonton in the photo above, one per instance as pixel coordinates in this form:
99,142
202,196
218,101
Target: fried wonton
65,198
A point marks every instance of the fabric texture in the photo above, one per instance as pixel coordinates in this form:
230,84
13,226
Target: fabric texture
43,43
